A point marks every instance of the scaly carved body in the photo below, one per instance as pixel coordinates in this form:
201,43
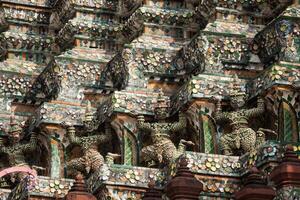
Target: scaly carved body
16,153
91,159
163,149
242,136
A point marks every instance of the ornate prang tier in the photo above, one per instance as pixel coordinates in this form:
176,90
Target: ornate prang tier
122,90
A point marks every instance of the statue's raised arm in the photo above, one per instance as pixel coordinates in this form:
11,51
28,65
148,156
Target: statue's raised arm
218,115
32,145
102,138
181,124
141,124
15,149
259,110
91,160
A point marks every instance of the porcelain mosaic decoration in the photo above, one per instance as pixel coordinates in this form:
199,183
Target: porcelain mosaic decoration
130,96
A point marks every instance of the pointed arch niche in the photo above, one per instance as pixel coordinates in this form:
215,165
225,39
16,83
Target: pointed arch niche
208,135
130,149
288,127
125,128
202,129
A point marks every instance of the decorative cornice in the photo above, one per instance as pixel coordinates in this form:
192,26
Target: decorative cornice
47,85
272,44
115,74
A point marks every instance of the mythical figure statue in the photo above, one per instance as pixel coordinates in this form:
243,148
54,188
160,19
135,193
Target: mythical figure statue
242,136
163,150
91,159
15,150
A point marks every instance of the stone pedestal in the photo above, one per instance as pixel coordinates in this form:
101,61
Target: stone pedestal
184,186
255,187
79,191
288,172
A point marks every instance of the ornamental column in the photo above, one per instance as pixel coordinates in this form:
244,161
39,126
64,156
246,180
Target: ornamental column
286,176
79,190
184,186
152,193
255,187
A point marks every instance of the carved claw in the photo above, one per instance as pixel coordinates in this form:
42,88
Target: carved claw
268,131
113,155
160,158
38,168
88,169
110,157
151,163
188,142
13,179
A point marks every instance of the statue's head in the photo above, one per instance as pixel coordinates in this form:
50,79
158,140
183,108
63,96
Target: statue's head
161,113
238,100
15,131
161,108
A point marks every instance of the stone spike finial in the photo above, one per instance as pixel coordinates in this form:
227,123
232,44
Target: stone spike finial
235,88
88,107
88,112
162,102
14,126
